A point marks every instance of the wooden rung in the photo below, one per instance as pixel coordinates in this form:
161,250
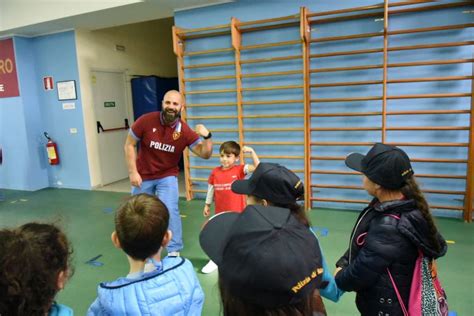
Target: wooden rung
438,160
431,63
198,191
346,114
449,78
348,52
345,99
209,51
271,102
342,143
431,29
336,129
429,160
225,63
283,129
272,115
267,45
409,64
210,91
266,60
350,10
443,192
433,7
212,156
427,96
209,78
358,187
428,128
274,88
347,17
353,173
278,157
333,69
275,73
196,105
430,144
345,37
333,186
201,167
272,20
297,170
367,202
343,84
340,200
427,46
446,207
199,179
208,34
440,176
327,157
204,29
274,143
269,27
224,130
380,13
211,117
424,112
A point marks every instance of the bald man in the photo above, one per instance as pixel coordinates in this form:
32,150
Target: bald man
163,136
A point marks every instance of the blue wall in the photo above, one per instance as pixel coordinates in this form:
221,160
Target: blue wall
24,119
255,10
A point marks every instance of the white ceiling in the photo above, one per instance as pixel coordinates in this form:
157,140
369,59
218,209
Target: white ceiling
39,17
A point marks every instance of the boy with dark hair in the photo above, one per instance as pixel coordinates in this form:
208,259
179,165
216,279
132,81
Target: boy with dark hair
141,231
220,182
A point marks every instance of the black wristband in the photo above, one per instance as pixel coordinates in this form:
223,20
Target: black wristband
208,136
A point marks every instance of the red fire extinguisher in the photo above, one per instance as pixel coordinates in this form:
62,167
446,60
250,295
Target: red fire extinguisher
52,150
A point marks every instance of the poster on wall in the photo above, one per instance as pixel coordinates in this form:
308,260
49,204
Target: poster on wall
8,78
66,90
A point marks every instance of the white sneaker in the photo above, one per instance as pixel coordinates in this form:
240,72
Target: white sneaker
174,254
209,267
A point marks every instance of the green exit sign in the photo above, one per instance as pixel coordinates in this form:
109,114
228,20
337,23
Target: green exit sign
109,104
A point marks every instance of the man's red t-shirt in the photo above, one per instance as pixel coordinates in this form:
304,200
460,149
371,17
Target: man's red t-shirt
161,145
224,198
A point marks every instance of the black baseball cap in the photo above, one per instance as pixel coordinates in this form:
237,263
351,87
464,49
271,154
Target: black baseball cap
266,256
272,182
386,165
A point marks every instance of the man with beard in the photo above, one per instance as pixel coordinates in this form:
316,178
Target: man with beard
163,136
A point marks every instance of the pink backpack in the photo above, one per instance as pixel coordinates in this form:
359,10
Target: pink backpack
427,297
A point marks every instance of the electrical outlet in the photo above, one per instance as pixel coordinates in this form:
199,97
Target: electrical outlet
73,130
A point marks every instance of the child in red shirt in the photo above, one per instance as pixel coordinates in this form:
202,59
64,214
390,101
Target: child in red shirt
220,181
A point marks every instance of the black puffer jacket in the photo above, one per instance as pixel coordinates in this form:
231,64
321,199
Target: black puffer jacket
379,241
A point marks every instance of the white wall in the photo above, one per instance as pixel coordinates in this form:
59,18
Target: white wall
149,51
18,13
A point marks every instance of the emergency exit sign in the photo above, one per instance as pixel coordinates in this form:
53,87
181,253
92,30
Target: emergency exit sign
109,104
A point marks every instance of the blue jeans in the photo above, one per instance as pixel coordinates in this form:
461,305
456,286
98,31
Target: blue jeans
166,189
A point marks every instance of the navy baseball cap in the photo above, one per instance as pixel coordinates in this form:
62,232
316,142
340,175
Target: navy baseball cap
265,255
272,182
386,165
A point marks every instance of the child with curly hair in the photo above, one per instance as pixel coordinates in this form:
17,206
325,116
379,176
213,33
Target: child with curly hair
35,263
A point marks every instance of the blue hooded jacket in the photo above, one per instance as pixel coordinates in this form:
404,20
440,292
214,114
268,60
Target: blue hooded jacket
171,289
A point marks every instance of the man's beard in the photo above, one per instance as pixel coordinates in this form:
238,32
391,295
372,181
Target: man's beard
170,116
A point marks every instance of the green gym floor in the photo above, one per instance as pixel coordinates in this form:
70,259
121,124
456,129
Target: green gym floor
87,218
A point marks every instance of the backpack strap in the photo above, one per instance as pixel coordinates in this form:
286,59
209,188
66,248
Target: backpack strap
404,309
